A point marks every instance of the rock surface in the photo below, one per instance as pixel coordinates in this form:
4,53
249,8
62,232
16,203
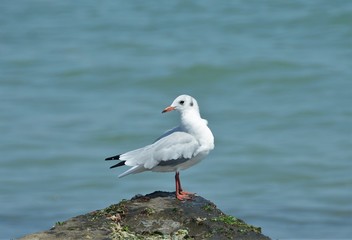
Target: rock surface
154,216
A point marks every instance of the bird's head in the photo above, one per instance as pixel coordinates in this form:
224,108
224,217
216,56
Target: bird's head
182,104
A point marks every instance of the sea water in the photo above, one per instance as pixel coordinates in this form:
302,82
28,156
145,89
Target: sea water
81,81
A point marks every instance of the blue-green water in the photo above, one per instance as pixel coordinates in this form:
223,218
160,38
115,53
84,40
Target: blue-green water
83,80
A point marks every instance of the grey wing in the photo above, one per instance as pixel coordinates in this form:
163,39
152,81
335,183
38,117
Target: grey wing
175,146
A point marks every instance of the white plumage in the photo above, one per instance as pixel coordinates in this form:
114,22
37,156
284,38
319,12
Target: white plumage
175,150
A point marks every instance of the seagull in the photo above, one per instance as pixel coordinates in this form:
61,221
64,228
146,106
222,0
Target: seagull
177,149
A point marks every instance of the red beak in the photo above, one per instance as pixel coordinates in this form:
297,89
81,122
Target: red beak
168,109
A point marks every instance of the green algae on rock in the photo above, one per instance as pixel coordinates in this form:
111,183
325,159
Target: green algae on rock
154,216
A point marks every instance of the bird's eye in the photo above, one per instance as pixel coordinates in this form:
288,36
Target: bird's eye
181,102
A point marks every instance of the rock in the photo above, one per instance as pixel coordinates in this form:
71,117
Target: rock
154,216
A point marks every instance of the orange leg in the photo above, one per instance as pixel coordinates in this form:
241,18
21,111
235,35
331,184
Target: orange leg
180,194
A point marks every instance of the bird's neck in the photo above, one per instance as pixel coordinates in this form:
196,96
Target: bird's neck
196,126
190,119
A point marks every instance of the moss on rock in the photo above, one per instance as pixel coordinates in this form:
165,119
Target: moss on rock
154,216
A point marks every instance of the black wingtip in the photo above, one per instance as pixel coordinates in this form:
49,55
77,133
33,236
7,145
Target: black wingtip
117,157
118,165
